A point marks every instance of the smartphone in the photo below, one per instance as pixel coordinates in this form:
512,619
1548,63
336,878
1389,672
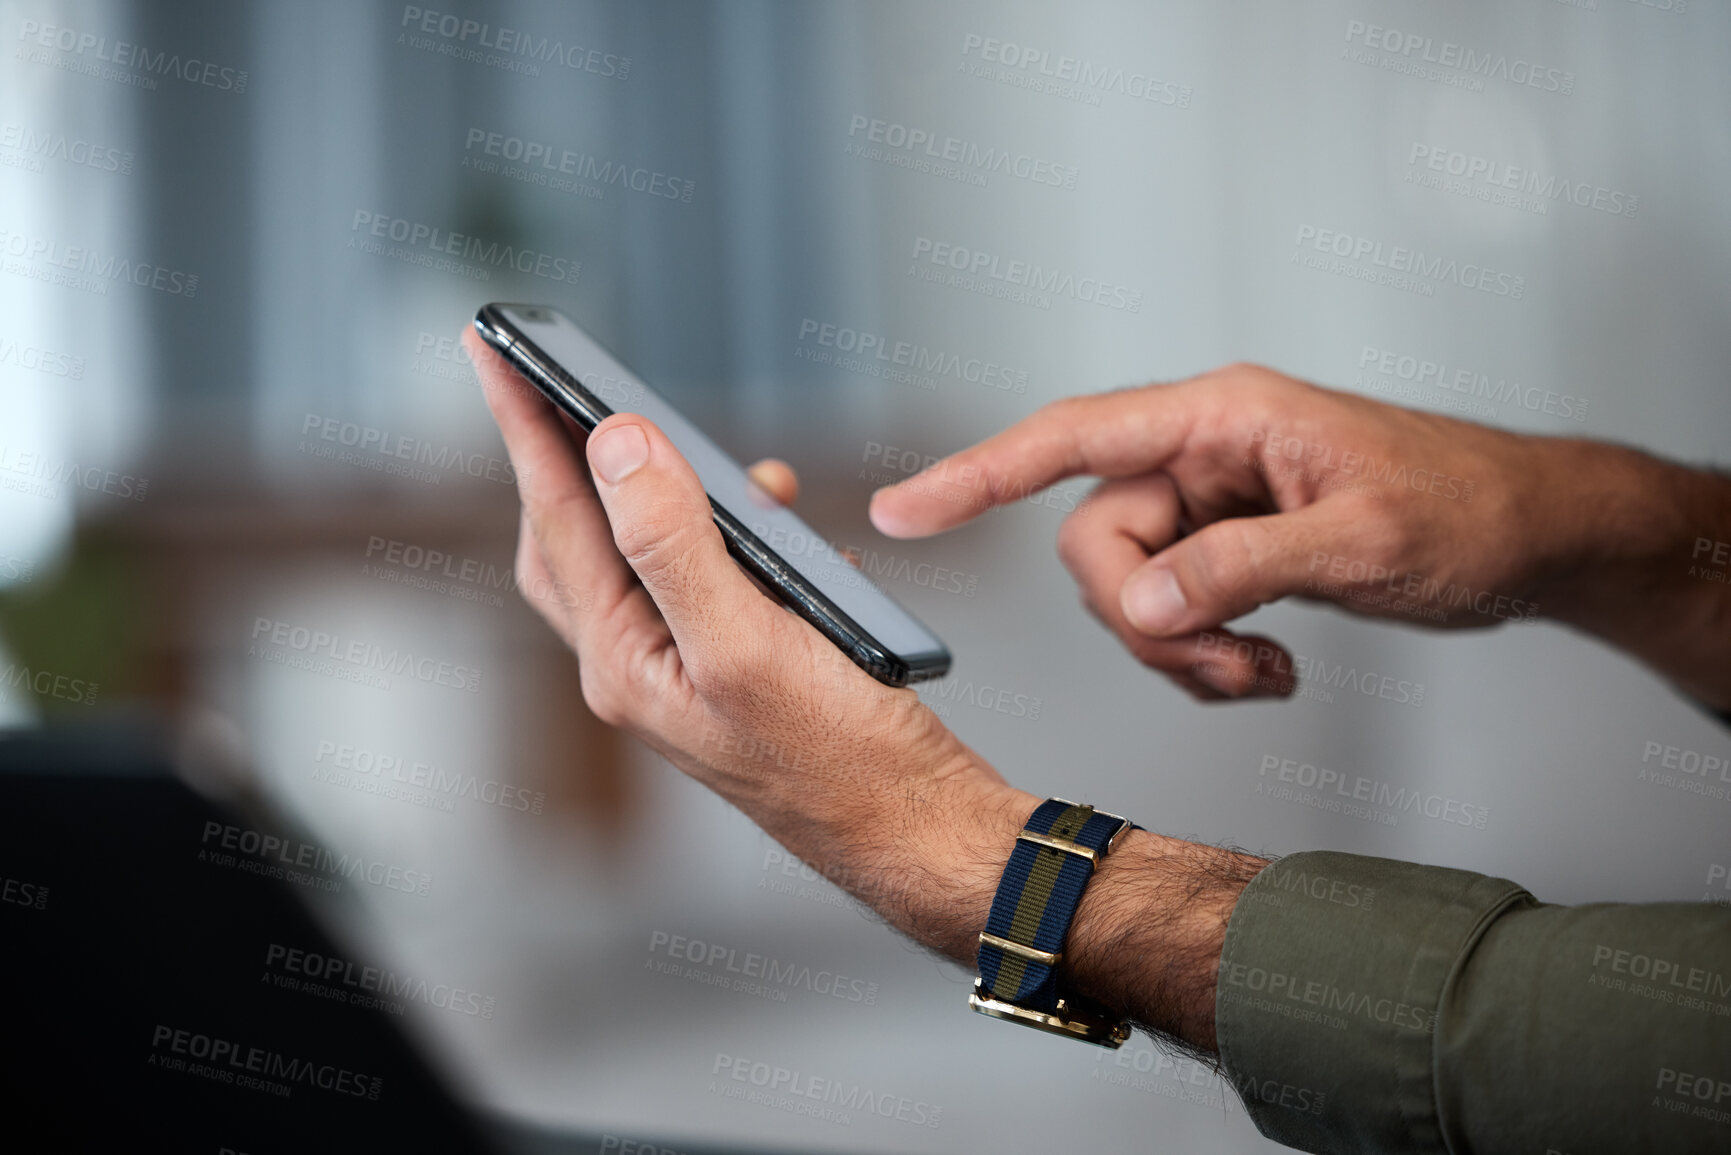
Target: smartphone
787,557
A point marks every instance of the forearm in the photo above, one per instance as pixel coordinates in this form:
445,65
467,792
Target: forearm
1146,939
1638,553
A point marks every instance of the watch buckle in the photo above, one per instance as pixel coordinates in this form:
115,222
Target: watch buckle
1072,1021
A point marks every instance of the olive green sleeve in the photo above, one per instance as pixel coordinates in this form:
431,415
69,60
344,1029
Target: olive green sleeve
1372,1005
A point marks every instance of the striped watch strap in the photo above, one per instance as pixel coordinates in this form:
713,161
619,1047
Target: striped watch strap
1054,857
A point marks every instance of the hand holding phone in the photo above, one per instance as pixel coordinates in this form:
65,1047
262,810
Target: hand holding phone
677,645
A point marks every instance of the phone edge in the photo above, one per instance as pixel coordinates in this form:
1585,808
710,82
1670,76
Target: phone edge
812,605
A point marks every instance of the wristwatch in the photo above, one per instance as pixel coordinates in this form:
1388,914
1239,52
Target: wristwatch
1023,942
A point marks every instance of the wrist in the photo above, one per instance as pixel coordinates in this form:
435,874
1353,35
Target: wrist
1148,935
973,830
926,854
1624,562
1604,516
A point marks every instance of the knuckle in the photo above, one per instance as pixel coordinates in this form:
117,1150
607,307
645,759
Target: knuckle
1257,376
671,557
631,684
1253,545
643,676
1219,557
1239,376
650,541
1251,383
599,696
1073,543
708,673
532,587
1064,425
1158,655
730,680
525,583
1063,410
549,608
1385,538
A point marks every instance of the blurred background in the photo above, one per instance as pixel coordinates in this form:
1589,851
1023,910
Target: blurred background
237,440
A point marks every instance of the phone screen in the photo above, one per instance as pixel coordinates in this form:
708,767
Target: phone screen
796,543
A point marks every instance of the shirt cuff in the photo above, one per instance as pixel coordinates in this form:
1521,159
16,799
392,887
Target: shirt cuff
1333,973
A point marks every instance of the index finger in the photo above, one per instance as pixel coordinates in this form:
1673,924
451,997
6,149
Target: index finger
1117,434
547,463
552,478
